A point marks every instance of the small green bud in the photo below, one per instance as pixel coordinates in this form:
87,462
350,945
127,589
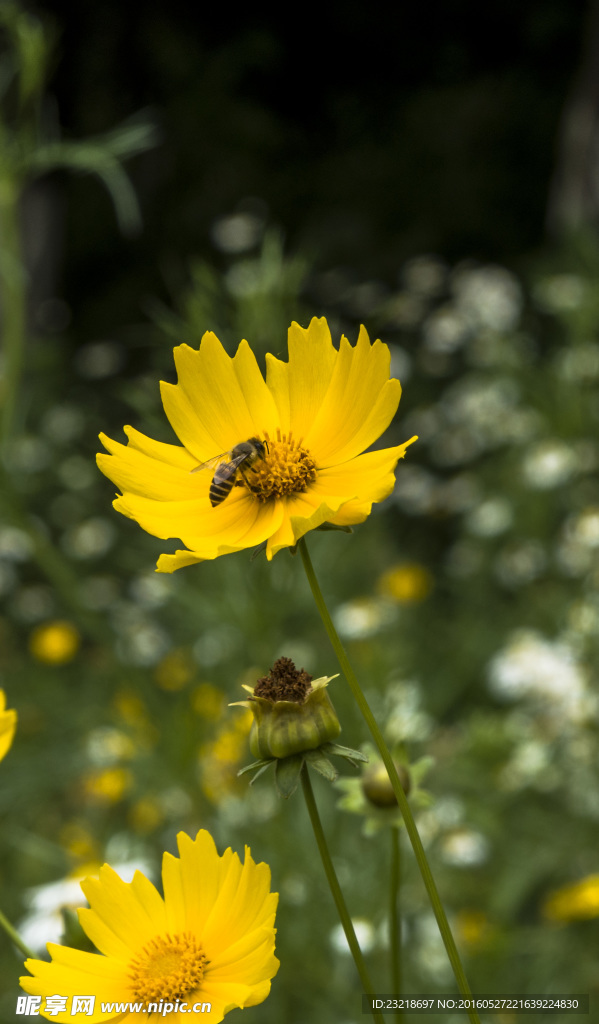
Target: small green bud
376,784
292,712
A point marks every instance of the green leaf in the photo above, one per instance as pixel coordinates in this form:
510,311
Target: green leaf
321,764
356,757
261,764
287,774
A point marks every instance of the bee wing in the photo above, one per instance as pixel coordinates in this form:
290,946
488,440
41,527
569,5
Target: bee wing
210,463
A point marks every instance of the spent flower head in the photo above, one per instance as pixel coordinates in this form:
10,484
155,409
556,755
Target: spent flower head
294,722
209,941
263,461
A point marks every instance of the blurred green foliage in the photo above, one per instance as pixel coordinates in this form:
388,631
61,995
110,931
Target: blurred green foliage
469,603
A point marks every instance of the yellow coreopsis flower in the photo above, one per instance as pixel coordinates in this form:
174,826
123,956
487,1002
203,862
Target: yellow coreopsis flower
309,424
209,943
8,724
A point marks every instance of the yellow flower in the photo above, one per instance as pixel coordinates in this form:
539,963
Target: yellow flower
313,417
576,902
210,940
107,786
407,583
54,643
8,724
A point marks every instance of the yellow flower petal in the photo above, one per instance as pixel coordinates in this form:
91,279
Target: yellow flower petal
312,358
140,473
359,404
239,522
8,724
133,910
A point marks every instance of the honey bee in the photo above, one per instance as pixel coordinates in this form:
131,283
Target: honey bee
241,457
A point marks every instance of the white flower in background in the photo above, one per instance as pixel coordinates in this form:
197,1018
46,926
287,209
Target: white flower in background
365,935
548,464
531,666
489,297
490,518
465,848
560,293
363,617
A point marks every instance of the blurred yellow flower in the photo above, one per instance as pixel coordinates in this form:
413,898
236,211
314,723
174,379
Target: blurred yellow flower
130,707
210,940
221,757
107,786
146,814
77,841
575,902
406,583
208,701
174,671
8,724
312,419
54,643
472,927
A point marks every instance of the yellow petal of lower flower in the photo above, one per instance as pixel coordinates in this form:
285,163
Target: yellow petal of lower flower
133,910
73,972
312,357
359,404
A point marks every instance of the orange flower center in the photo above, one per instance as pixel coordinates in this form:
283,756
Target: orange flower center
286,468
169,967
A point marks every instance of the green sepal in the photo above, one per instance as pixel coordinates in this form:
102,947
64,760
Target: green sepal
321,764
355,757
287,774
260,772
262,763
333,526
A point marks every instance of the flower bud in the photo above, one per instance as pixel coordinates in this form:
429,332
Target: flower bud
291,712
376,784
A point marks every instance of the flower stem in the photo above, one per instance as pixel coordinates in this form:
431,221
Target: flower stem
394,912
425,871
335,888
14,935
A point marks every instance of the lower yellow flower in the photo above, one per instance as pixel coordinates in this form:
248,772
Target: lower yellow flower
209,941
277,457
8,724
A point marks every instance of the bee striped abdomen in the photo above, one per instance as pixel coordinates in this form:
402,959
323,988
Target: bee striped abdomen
222,484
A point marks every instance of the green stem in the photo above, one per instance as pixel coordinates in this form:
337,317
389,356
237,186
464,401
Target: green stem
394,913
335,888
14,936
13,301
425,871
